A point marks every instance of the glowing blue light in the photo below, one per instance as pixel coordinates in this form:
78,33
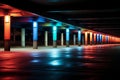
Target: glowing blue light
68,56
35,24
35,31
79,35
55,54
54,33
67,34
35,55
67,30
55,63
35,61
41,19
98,37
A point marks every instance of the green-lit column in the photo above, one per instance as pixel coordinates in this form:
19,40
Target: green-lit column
23,37
54,36
67,37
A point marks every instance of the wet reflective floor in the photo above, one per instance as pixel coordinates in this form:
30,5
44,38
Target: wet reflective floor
97,62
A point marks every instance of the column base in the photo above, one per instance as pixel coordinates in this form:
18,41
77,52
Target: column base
79,44
54,44
46,44
67,43
35,46
6,45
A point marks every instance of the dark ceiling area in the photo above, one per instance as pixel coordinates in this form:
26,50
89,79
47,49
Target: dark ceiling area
98,15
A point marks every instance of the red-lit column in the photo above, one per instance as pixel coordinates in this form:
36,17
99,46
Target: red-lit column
86,38
7,33
94,38
91,37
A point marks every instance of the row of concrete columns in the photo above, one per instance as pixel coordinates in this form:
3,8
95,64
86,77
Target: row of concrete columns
94,38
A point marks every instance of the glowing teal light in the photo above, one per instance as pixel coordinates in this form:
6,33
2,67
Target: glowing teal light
54,54
59,24
54,33
67,34
55,63
79,35
35,31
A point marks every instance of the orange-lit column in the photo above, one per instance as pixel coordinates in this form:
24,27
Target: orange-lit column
91,37
94,38
86,38
7,33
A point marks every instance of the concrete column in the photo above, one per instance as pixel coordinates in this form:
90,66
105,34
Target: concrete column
74,39
98,38
35,35
54,36
23,37
62,39
79,37
86,38
46,38
67,37
91,37
7,32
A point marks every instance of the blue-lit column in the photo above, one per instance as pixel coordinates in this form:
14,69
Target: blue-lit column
79,37
35,34
98,38
74,39
54,36
23,37
62,39
67,37
46,38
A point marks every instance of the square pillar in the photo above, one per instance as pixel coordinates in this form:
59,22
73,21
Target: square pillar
79,37
67,37
46,38
62,39
54,36
86,38
35,35
23,37
7,32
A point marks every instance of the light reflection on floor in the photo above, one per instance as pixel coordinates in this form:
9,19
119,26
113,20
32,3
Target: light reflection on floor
92,62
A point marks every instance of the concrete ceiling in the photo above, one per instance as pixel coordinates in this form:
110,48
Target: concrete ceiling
99,15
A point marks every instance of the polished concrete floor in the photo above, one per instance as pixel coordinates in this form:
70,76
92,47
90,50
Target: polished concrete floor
97,62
